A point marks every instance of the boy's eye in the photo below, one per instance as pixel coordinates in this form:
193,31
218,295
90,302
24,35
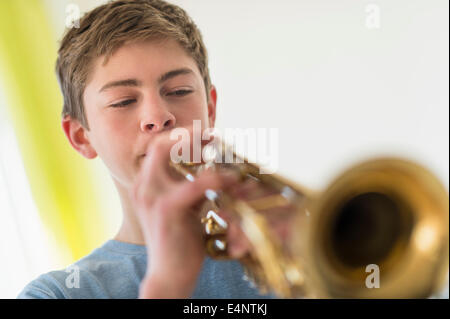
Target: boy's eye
179,93
123,103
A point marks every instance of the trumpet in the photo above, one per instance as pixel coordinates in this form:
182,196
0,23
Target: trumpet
379,230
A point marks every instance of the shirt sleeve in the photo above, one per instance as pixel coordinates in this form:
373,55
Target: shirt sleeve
44,287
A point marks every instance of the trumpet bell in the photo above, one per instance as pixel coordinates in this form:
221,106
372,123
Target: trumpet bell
380,230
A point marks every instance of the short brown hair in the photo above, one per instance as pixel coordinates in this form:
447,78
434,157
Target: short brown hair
106,28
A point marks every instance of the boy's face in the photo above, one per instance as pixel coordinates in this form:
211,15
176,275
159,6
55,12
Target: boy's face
129,101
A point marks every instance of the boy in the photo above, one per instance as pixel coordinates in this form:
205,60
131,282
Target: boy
134,70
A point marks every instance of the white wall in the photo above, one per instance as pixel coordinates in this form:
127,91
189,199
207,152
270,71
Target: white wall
337,90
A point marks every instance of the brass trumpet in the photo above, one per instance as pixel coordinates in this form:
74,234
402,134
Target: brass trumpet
379,230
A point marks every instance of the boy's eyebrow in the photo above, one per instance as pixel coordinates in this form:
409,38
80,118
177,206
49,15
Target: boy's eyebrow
174,73
128,82
134,82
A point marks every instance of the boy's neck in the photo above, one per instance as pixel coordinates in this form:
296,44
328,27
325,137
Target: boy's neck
130,230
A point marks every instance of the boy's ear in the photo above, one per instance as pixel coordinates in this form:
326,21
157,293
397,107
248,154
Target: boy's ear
212,106
76,134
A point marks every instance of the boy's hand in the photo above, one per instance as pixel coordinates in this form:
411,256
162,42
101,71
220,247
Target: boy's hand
172,230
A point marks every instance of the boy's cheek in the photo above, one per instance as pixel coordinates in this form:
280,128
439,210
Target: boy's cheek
187,117
123,169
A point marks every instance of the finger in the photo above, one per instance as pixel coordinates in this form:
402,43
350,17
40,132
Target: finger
158,155
189,193
251,189
194,144
152,179
238,243
175,145
156,176
245,189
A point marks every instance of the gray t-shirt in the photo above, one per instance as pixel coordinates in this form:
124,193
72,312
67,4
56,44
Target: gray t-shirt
116,269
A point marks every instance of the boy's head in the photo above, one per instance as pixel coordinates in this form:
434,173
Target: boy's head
132,69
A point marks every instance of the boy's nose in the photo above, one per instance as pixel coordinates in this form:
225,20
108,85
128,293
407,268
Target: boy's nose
158,123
